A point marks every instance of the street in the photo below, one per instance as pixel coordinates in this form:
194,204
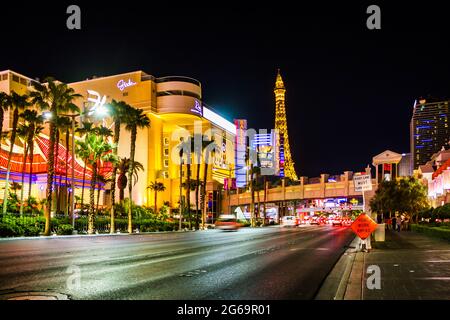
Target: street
260,263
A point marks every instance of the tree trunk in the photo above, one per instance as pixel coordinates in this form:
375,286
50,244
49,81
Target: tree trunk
58,188
114,174
265,200
8,166
92,199
252,204
156,201
50,174
188,193
181,195
24,165
31,147
197,189
203,195
121,194
130,177
67,170
82,187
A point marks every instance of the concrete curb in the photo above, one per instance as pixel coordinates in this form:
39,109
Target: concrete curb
342,282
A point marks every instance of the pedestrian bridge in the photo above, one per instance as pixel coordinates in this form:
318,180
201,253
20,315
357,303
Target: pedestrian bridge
342,187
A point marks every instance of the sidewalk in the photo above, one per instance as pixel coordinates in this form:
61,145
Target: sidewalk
413,267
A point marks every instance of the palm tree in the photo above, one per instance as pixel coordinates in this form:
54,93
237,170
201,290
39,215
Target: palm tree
34,122
17,102
99,150
54,97
135,119
4,106
22,132
118,110
208,150
198,144
187,145
63,124
82,152
156,187
123,168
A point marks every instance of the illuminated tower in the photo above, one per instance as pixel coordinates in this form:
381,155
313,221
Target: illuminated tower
284,153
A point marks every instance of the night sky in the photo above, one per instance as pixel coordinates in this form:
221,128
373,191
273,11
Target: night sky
350,90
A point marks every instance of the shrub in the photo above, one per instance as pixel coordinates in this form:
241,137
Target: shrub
435,232
64,229
10,230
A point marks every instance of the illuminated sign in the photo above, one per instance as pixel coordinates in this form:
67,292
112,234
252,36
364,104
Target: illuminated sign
219,120
265,145
122,84
240,147
197,108
98,101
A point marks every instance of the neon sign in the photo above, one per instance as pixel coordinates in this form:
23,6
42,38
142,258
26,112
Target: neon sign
122,84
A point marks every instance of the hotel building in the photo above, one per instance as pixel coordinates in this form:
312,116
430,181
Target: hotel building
176,110
429,130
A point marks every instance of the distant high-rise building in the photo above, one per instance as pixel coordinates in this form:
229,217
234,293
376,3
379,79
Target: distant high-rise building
404,166
429,130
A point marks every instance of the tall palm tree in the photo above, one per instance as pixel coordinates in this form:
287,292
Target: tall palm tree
122,180
17,102
156,187
135,119
187,146
54,97
22,132
99,150
209,150
63,124
34,122
82,152
4,106
199,143
118,110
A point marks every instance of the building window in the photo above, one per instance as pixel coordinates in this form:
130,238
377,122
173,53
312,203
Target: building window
165,175
5,76
166,163
125,94
166,152
23,81
166,141
15,78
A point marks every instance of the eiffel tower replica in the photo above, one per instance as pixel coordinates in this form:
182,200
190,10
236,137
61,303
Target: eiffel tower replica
284,151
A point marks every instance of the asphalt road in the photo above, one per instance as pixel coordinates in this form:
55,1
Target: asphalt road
262,263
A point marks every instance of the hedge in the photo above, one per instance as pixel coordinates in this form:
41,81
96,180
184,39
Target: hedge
435,232
15,226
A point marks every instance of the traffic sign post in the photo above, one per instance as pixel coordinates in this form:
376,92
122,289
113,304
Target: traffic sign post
363,226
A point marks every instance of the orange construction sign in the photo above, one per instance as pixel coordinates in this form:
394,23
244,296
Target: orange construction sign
363,226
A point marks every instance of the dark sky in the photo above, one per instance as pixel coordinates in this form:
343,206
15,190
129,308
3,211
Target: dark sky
350,90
